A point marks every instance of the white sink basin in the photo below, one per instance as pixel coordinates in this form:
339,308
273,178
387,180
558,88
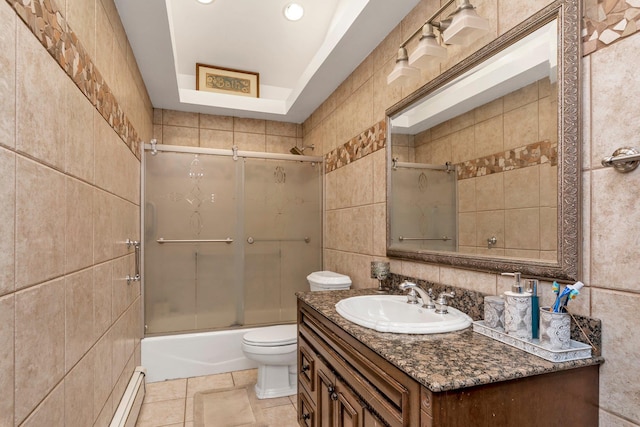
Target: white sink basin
391,313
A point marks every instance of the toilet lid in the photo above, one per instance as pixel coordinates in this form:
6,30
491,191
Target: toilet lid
272,336
329,278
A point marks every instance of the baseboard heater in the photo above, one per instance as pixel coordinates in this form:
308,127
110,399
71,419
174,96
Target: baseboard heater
129,408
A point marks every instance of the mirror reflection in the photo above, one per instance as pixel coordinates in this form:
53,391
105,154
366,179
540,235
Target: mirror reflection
475,163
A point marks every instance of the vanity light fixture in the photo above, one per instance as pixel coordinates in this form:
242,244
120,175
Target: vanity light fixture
428,47
205,1
462,26
293,11
402,72
466,25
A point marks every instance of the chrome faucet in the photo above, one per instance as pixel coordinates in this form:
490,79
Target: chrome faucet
442,303
412,298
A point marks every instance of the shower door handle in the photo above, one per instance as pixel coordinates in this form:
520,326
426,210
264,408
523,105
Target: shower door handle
136,247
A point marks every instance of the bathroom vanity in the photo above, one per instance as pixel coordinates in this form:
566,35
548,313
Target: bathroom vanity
349,375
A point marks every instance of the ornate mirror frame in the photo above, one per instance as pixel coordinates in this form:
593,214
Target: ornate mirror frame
567,267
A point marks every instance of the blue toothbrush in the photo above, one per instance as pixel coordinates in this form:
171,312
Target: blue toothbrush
569,292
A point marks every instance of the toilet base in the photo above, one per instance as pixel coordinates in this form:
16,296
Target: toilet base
276,381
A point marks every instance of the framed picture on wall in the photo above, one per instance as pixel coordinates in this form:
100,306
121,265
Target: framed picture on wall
210,78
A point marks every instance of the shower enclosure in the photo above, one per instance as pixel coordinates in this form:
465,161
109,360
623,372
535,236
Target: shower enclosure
229,237
423,207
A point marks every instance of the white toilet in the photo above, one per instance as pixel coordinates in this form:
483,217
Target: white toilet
275,347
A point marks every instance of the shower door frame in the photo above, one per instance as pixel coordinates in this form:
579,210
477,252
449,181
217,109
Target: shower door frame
237,155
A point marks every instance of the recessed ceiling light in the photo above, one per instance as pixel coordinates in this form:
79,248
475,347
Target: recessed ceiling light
293,11
205,1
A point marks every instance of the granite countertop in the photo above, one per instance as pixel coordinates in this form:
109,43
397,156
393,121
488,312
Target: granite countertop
446,361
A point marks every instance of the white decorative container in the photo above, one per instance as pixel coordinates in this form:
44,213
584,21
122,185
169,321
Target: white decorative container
494,312
555,329
517,314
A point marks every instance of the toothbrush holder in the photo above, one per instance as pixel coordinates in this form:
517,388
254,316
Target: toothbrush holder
517,315
555,329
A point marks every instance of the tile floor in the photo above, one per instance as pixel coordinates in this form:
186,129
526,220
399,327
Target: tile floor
170,403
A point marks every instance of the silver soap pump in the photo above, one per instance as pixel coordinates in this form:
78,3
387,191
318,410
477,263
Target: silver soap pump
517,309
517,286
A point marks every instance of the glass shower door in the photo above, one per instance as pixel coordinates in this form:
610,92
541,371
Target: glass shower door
191,277
282,227
424,200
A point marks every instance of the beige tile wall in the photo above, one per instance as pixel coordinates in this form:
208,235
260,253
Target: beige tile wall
611,210
210,131
70,325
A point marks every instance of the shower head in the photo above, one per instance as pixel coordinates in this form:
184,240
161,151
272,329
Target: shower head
299,151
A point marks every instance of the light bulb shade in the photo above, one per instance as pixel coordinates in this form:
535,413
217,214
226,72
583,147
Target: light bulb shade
402,72
465,27
427,50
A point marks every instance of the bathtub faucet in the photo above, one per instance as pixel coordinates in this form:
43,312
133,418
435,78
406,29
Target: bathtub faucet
412,298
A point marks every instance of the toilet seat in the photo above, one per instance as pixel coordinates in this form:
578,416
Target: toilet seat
272,336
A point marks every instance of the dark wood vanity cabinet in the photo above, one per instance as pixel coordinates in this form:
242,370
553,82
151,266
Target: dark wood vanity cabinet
343,383
331,402
563,399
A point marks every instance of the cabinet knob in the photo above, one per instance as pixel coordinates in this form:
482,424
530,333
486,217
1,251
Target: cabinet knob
306,416
332,393
305,368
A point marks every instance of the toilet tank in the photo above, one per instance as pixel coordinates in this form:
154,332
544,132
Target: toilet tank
328,281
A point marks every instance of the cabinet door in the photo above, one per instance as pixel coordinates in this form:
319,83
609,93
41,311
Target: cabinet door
370,420
351,411
348,409
306,366
325,387
306,413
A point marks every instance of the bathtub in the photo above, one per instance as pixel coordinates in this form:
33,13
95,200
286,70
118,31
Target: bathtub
192,355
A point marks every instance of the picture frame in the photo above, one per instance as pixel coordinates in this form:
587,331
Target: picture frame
211,78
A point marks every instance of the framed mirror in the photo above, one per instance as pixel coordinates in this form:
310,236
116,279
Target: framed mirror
483,161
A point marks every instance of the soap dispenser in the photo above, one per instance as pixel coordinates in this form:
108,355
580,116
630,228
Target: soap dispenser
517,310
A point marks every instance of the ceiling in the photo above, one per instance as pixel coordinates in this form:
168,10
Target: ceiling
299,63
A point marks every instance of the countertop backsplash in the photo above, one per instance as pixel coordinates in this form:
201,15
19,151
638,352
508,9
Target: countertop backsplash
472,303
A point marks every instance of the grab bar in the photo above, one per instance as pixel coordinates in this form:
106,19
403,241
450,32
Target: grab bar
162,240
251,240
443,238
136,246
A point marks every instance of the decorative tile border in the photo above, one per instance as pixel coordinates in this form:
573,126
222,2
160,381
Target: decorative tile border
369,141
521,157
47,24
607,21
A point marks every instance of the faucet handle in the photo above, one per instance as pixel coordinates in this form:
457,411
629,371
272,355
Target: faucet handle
442,303
442,295
406,285
412,296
